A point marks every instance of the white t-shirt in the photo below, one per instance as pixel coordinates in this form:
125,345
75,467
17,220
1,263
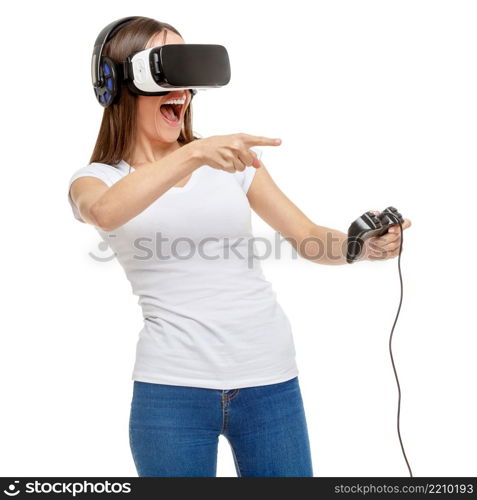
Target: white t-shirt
211,319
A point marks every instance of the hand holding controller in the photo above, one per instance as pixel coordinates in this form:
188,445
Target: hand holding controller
367,226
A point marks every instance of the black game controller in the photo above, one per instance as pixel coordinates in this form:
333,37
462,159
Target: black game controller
368,226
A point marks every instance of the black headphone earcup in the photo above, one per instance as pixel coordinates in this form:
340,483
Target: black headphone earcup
106,94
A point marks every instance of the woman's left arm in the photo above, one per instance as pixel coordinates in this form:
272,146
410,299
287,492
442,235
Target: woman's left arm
319,244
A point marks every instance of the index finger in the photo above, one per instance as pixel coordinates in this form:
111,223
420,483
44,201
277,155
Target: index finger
258,140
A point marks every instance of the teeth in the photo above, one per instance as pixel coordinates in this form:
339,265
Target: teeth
175,101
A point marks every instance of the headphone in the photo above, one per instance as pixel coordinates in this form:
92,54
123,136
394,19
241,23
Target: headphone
104,72
107,75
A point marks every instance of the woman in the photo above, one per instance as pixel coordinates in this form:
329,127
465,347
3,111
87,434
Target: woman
215,355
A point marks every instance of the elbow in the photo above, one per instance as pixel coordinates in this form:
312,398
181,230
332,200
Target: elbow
101,218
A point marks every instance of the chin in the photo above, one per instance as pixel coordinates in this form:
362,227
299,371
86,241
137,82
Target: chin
170,136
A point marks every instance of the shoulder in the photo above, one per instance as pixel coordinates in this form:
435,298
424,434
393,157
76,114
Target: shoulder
107,173
243,179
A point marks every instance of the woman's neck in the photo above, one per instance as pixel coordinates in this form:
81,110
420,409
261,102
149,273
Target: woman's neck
147,152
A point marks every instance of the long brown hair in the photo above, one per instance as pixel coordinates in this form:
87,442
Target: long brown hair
117,133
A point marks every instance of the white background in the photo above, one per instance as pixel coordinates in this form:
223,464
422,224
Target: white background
375,102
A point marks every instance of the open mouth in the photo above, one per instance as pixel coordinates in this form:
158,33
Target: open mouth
171,111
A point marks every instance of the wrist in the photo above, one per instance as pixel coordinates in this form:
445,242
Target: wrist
194,153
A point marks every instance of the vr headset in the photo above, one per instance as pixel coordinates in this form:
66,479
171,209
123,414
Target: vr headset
157,70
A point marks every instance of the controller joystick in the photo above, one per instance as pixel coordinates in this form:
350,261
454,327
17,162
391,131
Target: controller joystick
367,226
389,217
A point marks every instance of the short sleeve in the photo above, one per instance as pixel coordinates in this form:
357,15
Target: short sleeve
245,178
106,173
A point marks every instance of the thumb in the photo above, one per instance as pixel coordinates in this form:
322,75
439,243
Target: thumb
256,162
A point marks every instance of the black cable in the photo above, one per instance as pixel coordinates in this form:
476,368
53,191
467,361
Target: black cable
391,351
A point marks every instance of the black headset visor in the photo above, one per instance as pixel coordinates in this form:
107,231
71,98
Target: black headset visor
190,65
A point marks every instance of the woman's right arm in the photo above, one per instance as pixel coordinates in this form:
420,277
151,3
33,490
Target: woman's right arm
110,207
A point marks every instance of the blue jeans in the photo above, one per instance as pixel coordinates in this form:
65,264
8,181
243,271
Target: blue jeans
174,430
